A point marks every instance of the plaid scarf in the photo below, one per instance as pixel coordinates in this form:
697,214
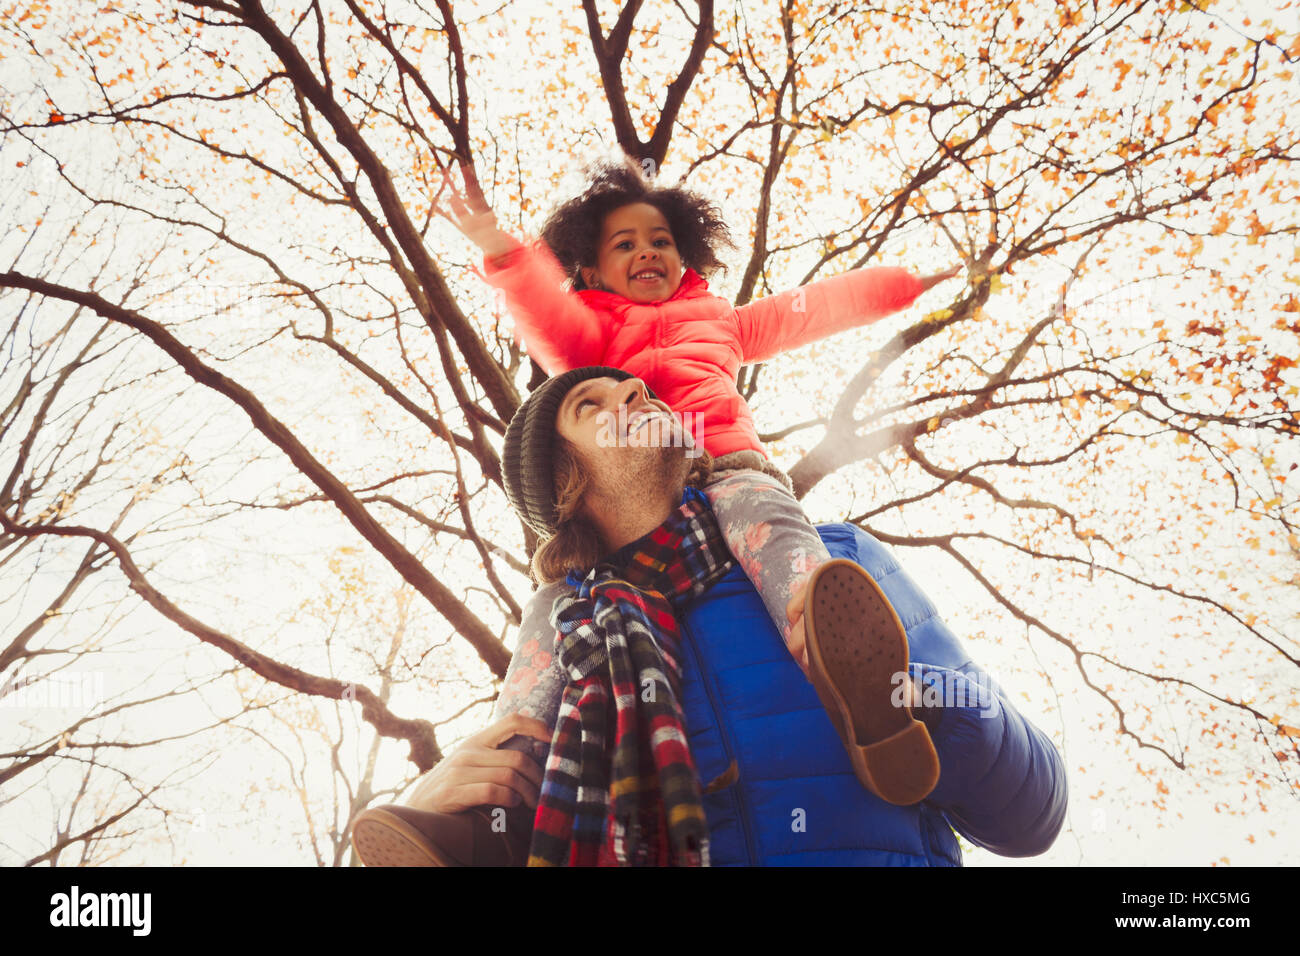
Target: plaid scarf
620,787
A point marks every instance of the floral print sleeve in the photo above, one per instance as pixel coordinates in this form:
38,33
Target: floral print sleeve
770,536
534,681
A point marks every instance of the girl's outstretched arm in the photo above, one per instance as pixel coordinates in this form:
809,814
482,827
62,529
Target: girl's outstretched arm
786,321
556,327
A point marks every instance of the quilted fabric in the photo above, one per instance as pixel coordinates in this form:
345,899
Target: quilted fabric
796,800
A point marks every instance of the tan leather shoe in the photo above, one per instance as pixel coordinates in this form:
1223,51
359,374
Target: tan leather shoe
394,835
856,648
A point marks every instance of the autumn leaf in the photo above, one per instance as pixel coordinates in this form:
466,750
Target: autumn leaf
1256,228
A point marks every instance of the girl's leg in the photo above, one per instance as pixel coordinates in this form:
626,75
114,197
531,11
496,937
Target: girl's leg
767,531
534,681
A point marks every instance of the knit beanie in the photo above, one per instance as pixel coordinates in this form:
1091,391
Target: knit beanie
528,458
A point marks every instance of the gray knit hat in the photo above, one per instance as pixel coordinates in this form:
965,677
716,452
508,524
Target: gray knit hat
527,460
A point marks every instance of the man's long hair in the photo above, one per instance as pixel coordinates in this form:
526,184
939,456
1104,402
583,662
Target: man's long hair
576,544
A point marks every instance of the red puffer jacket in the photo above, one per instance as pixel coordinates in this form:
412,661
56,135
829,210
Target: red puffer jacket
689,347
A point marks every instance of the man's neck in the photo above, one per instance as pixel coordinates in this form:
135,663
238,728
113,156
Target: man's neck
619,526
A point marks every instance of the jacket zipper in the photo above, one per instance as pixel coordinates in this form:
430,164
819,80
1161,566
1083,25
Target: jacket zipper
723,732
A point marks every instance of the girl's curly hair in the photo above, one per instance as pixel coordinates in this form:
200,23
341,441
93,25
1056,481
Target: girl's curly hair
573,230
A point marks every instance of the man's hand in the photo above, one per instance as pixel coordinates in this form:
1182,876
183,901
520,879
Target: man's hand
479,774
928,282
797,642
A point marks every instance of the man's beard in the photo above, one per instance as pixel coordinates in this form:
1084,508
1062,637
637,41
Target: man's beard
639,475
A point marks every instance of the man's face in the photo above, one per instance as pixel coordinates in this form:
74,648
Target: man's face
632,445
636,257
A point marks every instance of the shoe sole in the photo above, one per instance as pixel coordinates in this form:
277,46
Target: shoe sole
856,646
382,839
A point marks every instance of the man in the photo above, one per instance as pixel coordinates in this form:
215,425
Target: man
650,659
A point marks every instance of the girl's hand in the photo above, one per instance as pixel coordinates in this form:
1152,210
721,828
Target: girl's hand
479,226
930,281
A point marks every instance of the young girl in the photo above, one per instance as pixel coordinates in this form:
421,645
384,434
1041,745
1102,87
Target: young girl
635,256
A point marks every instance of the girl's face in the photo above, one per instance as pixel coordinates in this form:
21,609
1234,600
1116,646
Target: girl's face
636,256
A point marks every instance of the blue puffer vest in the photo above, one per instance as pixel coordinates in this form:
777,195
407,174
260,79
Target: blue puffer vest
797,801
